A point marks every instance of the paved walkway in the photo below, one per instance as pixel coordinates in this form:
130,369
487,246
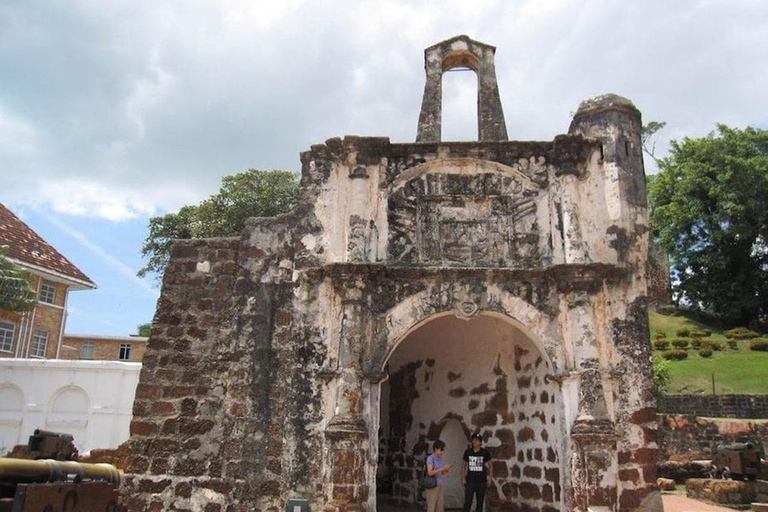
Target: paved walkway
678,503
672,503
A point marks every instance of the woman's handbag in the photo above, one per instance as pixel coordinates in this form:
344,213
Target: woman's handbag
429,482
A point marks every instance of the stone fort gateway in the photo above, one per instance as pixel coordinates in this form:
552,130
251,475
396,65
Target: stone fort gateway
420,291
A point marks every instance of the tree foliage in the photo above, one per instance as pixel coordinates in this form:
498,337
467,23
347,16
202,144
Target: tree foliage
16,293
649,137
252,193
144,330
709,212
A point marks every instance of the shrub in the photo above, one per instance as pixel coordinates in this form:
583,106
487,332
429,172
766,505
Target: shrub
696,343
684,332
675,355
705,352
660,335
732,344
740,333
696,333
660,344
711,345
680,343
760,345
707,332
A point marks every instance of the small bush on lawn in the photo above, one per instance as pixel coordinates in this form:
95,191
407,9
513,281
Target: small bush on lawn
712,345
696,333
741,333
759,345
675,355
707,332
696,343
660,335
684,332
733,344
660,344
705,352
680,343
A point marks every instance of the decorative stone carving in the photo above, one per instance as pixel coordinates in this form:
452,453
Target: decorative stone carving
481,220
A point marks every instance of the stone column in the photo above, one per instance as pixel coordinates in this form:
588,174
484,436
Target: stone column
593,434
347,432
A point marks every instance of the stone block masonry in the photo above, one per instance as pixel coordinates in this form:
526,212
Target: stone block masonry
419,290
718,406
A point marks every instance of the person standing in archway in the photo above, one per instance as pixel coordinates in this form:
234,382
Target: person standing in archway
476,473
436,467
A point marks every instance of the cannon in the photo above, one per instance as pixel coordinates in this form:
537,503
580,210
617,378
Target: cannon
737,461
44,444
35,484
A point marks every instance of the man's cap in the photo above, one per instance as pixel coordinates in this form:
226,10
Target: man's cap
477,435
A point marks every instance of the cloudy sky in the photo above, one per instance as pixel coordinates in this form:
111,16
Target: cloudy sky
113,111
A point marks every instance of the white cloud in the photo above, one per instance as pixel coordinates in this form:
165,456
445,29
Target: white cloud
131,108
18,137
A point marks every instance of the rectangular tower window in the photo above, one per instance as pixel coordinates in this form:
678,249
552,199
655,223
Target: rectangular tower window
39,344
48,292
6,336
125,352
86,350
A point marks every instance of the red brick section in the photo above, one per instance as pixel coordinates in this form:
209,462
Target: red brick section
29,247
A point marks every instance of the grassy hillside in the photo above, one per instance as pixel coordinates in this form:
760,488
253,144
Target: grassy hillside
735,371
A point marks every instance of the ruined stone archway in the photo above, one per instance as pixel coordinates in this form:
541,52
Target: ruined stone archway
489,375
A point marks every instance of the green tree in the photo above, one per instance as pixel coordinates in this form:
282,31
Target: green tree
16,293
709,212
252,193
662,378
144,329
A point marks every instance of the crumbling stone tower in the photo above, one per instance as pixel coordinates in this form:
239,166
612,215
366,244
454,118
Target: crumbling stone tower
420,291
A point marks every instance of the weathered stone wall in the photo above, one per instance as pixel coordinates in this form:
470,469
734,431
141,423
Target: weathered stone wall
717,406
685,438
263,373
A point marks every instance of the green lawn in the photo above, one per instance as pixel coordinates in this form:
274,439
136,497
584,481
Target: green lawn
736,371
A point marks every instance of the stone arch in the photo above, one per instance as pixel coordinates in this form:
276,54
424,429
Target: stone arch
11,415
69,411
500,386
415,311
466,166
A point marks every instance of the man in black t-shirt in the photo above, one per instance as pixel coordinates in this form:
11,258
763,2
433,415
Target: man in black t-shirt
476,473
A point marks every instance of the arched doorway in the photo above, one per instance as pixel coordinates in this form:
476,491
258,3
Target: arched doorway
452,376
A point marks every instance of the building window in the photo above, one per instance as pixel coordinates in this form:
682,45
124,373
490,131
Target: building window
39,344
6,336
125,352
86,350
48,292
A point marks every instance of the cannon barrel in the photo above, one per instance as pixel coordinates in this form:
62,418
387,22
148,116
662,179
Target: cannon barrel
47,470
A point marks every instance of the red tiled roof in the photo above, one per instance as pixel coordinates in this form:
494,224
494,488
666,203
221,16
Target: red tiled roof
26,246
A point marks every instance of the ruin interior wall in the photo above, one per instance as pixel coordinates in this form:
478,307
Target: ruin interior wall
504,394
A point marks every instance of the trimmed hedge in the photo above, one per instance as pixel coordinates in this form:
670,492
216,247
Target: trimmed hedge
696,343
675,355
760,345
684,332
741,333
660,335
680,343
660,344
733,344
705,352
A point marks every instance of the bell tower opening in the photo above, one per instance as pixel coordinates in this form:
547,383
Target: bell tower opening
459,105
